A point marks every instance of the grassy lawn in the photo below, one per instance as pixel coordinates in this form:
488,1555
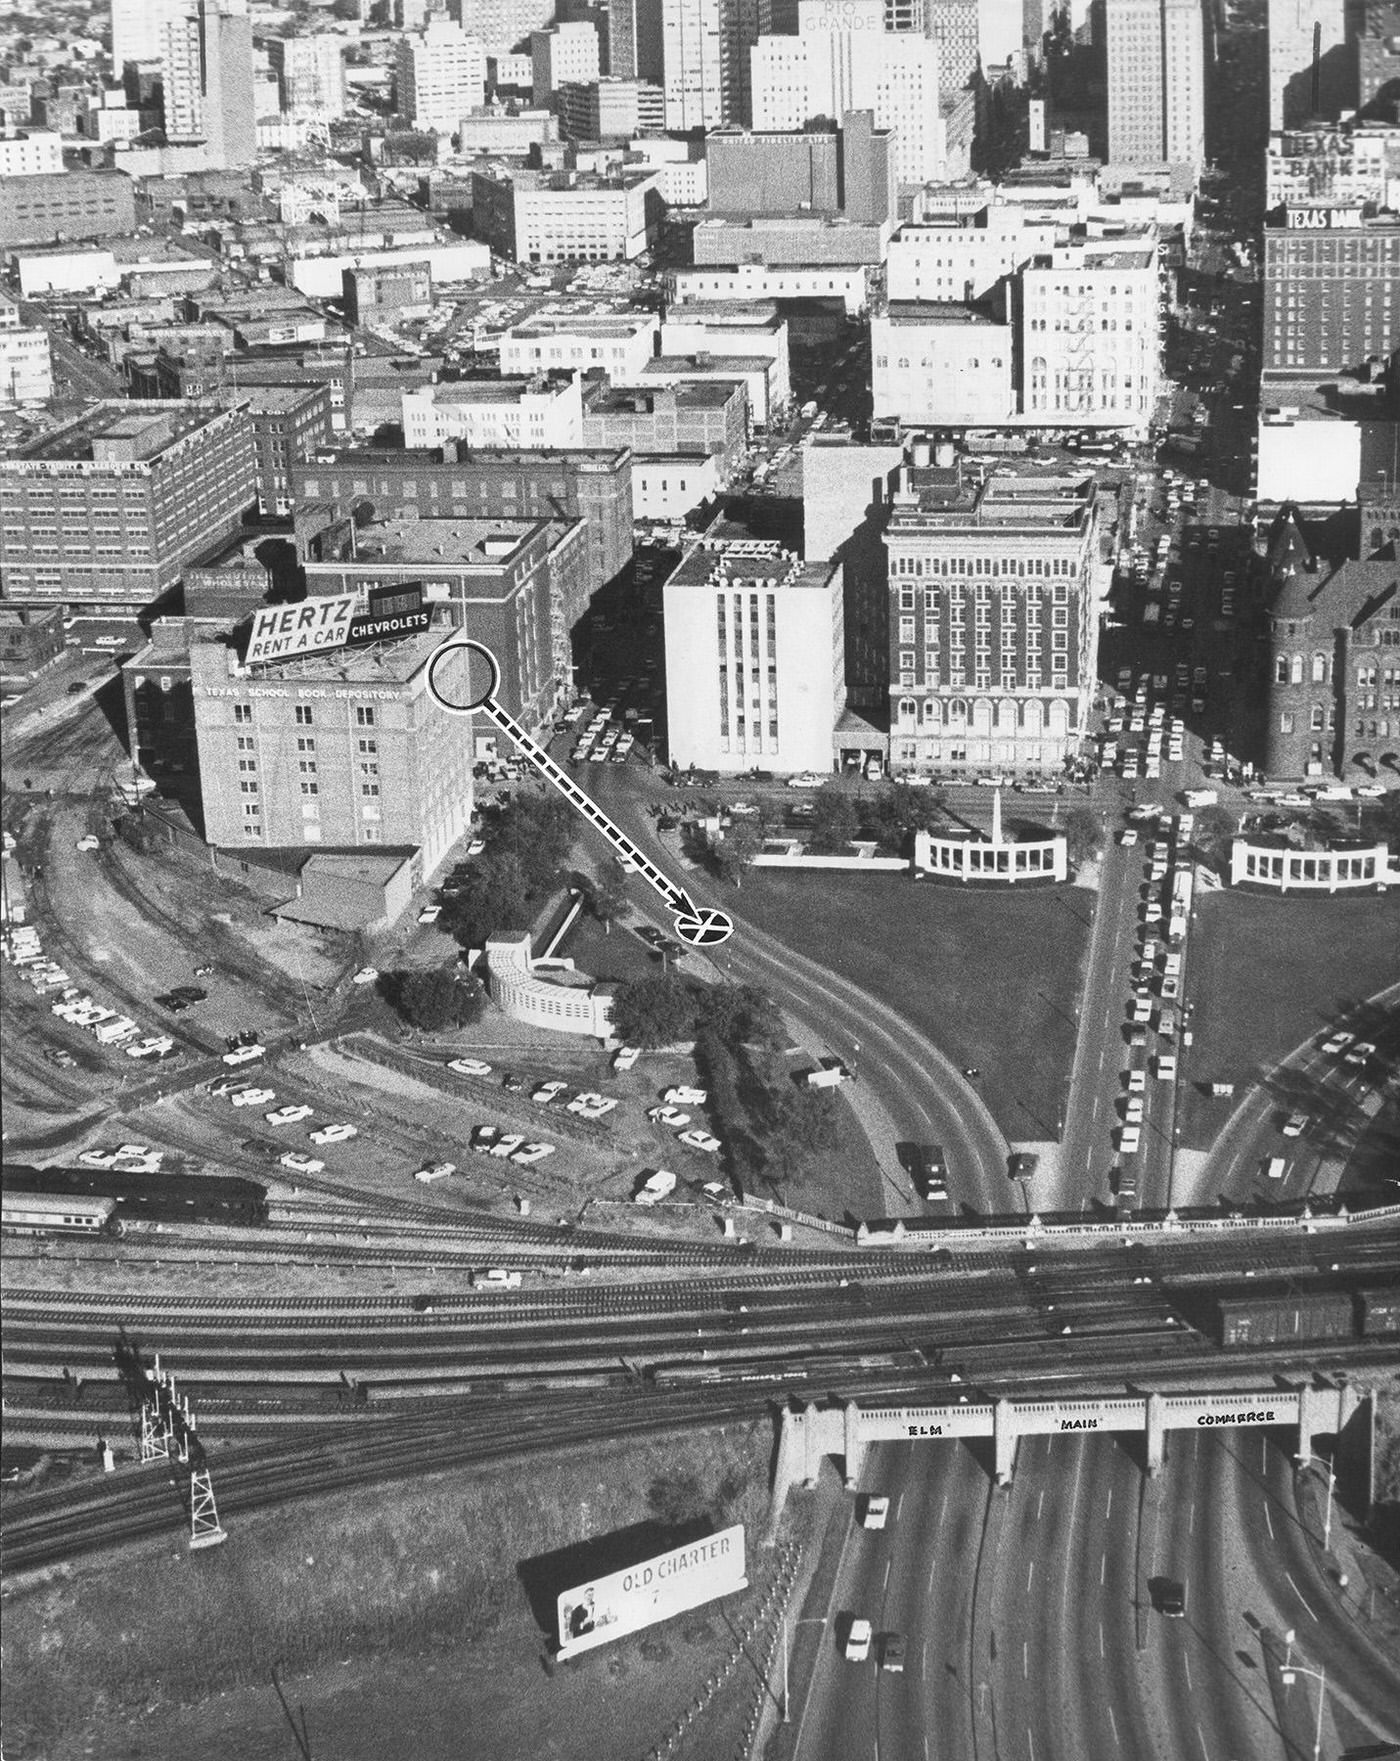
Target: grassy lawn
1265,973
617,955
990,977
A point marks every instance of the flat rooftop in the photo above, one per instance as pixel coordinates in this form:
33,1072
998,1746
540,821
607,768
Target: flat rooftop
121,431
709,364
705,394
926,312
718,562
484,543
491,391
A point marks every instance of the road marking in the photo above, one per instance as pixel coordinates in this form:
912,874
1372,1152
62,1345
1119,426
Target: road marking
1191,1524
1201,1739
1025,1660
1030,1742
1030,1573
1187,1661
886,1584
1299,1594
1102,1652
1103,1570
1108,1508
923,1667
898,1501
1268,1519
1040,1504
926,1756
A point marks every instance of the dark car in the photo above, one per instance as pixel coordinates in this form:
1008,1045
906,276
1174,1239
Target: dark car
1023,1164
176,1005
1169,1597
511,1084
190,993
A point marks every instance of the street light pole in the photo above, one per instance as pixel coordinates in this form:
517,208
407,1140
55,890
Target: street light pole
1289,1670
1303,1460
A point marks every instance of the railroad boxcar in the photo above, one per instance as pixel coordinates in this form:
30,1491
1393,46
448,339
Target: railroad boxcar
152,1198
1277,1320
44,1213
1378,1312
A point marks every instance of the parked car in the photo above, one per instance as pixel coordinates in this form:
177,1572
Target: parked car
1295,1125
288,1115
435,1171
625,1057
700,1140
366,975
470,1067
244,1054
301,1164
333,1134
668,1116
531,1153
685,1097
858,1640
252,1097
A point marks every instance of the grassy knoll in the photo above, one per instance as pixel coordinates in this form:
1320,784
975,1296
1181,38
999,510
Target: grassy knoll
360,1576
990,977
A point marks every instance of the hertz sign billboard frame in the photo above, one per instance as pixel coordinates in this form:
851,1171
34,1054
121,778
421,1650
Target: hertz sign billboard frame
316,626
651,1591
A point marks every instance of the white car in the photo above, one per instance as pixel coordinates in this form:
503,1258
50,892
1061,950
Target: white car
287,1115
476,846
507,1144
98,1158
1338,1043
1135,1109
88,843
139,1152
857,1648
548,1092
591,1106
658,1185
435,1171
252,1097
366,975
625,1057
875,1512
333,1134
497,1278
430,914
470,1067
1295,1125
1129,1138
1137,1082
1142,1009
1128,837
532,1153
1166,1066
668,1116
151,1048
301,1164
1171,989
1360,1054
700,1140
245,1054
685,1097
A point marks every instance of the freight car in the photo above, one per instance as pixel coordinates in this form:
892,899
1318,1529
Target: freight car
45,1213
1264,1319
150,1198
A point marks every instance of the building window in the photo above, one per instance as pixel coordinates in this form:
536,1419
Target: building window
1281,670
369,789
309,788
364,717
369,748
303,715
245,743
1317,718
1285,722
307,766
242,712
306,744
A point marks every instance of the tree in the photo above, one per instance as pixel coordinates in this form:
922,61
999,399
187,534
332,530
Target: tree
901,809
835,822
537,830
654,1011
736,850
1213,834
435,998
1083,835
607,898
496,897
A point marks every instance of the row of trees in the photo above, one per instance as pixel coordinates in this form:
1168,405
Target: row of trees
527,844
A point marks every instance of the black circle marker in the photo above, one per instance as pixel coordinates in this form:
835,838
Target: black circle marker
463,676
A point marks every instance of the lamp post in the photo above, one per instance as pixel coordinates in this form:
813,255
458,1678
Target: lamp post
1303,1460
810,1620
1289,1671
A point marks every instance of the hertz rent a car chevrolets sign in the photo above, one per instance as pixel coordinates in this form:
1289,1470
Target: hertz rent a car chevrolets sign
282,632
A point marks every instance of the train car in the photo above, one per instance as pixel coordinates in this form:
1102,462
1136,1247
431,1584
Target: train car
151,1198
1278,1320
1378,1312
46,1213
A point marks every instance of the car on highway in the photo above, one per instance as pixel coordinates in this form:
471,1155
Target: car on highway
874,1511
288,1115
531,1153
668,1116
470,1067
699,1140
1134,1110
366,975
333,1134
548,1092
430,914
435,1171
301,1164
252,1097
1022,1164
1295,1125
892,1652
858,1639
245,1054
1170,1598
685,1097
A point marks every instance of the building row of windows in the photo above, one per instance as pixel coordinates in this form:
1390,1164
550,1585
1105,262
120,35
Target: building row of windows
306,718
960,567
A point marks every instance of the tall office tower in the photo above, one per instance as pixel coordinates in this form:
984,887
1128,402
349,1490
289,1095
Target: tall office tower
503,25
851,62
692,48
310,75
207,76
1312,59
440,76
904,15
952,24
1331,289
137,31
564,55
1156,82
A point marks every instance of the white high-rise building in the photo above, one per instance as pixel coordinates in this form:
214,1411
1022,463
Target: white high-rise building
1156,82
207,79
310,76
564,55
692,55
138,30
1089,318
441,76
844,59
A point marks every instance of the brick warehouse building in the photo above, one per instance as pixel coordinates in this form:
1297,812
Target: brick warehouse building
1333,657
108,509
336,751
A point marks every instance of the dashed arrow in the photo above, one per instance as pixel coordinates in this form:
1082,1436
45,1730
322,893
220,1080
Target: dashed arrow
701,926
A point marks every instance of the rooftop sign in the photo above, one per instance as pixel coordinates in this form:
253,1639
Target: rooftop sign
284,632
626,1601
